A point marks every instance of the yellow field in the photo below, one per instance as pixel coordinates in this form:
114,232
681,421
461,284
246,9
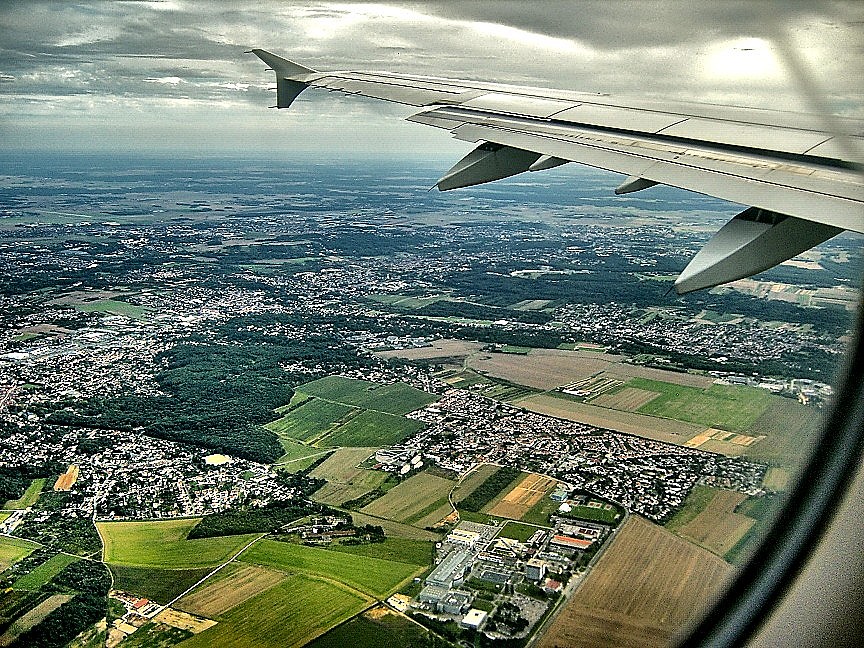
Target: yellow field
717,527
234,585
649,427
184,621
648,586
413,499
523,496
729,443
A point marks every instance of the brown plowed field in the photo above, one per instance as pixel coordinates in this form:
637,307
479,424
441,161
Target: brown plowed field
717,527
628,399
523,496
647,586
217,596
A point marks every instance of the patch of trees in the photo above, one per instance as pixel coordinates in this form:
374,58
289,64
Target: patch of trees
65,623
485,493
84,576
14,480
75,535
252,519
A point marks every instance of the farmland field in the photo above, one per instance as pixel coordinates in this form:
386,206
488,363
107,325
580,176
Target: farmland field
13,549
287,615
233,585
29,619
379,627
397,398
29,497
473,480
731,407
550,368
791,431
372,576
164,544
160,585
523,496
413,499
647,586
371,428
437,349
709,519
297,455
628,399
395,529
36,578
649,427
344,480
403,550
112,306
311,419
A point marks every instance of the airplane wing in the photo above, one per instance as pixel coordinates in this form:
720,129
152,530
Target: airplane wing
802,184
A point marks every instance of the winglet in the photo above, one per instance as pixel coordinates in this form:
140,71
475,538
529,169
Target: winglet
290,77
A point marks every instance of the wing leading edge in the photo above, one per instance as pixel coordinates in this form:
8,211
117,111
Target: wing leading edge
801,186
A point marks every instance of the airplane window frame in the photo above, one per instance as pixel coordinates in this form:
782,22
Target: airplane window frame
836,457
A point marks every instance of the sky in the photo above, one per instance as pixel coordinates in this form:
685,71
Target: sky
172,75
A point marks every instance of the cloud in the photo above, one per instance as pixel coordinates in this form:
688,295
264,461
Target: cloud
186,58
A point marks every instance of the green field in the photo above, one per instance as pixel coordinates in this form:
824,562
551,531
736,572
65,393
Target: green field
413,499
14,549
594,514
402,550
517,350
371,576
728,407
372,428
297,454
163,544
397,398
310,420
541,511
287,615
517,531
697,501
345,481
39,576
791,430
113,307
764,509
160,585
29,497
384,629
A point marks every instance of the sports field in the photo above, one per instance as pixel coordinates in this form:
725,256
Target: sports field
29,497
345,481
163,543
372,576
413,499
36,578
730,407
518,531
708,518
13,549
231,586
647,586
523,496
287,615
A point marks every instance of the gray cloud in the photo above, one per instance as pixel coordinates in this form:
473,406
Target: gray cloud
128,69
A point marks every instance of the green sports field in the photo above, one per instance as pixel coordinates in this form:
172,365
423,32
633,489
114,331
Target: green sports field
728,407
163,543
287,615
371,576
